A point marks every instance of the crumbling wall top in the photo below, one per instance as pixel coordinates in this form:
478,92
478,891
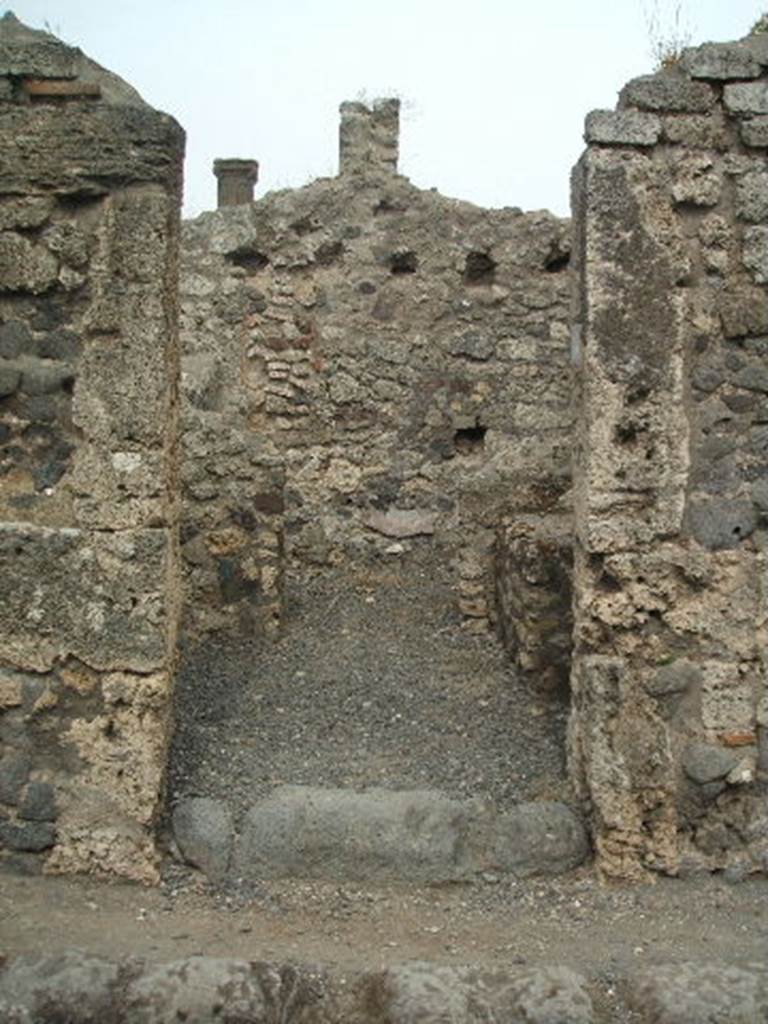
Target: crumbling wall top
47,68
369,136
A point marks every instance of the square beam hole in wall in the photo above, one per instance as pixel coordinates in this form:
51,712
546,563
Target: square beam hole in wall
403,262
248,259
557,259
470,440
479,268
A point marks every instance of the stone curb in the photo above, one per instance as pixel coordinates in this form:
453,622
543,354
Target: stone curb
377,834
80,988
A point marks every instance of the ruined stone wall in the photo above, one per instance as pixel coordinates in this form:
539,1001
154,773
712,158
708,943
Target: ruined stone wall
669,733
366,366
533,570
90,181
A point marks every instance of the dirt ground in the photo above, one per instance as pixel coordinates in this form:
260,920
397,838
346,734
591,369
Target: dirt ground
373,683
602,931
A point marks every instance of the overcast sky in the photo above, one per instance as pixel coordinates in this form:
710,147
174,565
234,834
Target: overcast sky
494,93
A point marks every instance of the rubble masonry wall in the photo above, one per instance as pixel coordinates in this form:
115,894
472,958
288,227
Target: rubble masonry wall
668,740
90,185
366,366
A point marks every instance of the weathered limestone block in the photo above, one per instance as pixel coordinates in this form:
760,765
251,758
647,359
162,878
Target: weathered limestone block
752,195
756,253
695,180
112,147
106,811
634,457
24,266
115,617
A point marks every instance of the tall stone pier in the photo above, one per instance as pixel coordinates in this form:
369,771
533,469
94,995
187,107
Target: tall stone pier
90,183
668,741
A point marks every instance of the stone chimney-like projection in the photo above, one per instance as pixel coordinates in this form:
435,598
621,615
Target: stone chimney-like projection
369,137
236,181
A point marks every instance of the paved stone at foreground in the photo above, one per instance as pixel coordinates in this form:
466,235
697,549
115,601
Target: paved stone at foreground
691,993
424,993
66,986
204,990
78,988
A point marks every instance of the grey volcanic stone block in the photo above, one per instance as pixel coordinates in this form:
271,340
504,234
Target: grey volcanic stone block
38,803
9,380
676,677
418,835
14,772
15,338
747,97
73,987
204,832
720,61
622,128
704,763
27,837
539,838
668,91
192,989
755,131
204,990
44,378
109,571
719,523
423,993
700,994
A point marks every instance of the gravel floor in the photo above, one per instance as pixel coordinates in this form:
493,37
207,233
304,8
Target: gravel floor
373,683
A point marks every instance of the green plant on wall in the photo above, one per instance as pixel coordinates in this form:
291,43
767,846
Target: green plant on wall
669,30
761,25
